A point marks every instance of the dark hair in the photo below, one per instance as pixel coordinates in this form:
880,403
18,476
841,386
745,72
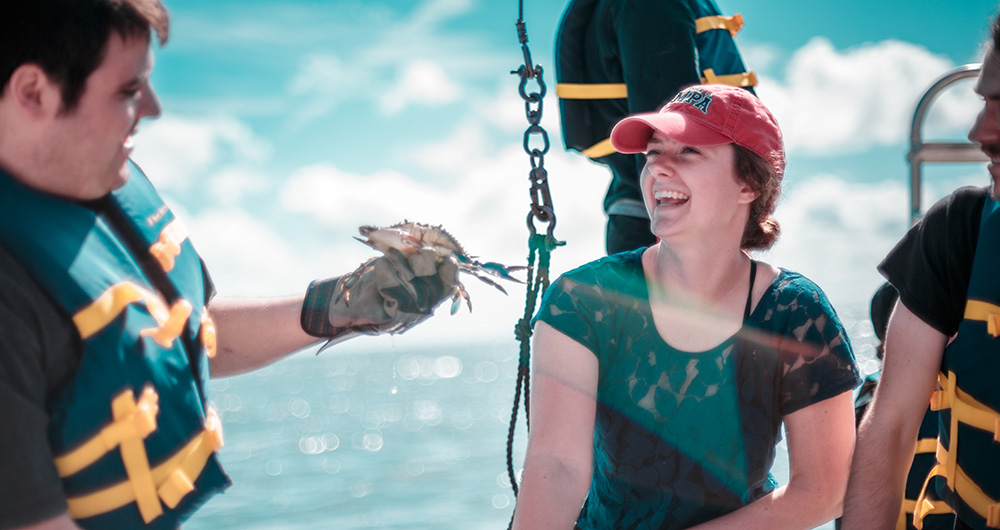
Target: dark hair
761,230
68,38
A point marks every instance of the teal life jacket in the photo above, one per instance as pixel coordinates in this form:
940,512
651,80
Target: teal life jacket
134,442
968,448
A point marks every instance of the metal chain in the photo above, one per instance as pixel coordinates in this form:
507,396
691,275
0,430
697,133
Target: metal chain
540,246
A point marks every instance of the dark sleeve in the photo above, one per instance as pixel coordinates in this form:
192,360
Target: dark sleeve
38,350
569,306
656,43
932,263
818,362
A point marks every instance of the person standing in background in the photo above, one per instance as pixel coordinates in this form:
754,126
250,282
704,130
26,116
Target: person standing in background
621,57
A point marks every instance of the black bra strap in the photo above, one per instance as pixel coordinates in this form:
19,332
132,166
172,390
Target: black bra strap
753,274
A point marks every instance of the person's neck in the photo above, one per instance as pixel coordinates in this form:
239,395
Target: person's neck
695,275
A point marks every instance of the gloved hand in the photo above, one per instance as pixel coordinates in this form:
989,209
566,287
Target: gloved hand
393,293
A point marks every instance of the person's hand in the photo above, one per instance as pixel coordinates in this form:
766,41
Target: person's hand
390,293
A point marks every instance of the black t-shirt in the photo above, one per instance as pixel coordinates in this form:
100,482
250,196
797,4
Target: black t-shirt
39,352
932,264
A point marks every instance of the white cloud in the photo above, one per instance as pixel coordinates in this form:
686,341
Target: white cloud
836,232
834,102
421,82
175,150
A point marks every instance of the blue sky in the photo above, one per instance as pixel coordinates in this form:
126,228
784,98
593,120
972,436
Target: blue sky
287,124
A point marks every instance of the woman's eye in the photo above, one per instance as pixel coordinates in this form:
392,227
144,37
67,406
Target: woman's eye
689,149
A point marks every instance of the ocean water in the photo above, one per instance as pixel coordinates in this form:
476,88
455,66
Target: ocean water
390,438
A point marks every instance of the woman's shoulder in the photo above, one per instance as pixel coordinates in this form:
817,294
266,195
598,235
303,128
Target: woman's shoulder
791,290
616,265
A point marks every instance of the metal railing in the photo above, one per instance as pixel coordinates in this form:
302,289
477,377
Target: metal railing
922,152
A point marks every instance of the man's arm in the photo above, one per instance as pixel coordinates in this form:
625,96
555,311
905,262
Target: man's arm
888,433
255,332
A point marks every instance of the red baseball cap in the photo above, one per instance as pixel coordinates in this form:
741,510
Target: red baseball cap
705,115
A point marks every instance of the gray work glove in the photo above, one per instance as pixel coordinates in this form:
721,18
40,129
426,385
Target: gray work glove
389,294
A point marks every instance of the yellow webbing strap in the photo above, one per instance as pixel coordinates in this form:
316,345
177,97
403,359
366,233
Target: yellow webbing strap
966,410
731,24
926,445
130,437
976,310
168,246
602,148
591,90
173,478
171,327
138,422
746,79
208,338
112,302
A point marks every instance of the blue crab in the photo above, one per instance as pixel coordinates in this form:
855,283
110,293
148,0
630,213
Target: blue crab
410,237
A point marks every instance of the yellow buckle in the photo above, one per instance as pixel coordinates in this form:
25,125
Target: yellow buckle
208,337
984,311
993,517
731,24
168,246
172,327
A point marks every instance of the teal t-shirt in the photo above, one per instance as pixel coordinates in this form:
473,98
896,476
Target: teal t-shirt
684,437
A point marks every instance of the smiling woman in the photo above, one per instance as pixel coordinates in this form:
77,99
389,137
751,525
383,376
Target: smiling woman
662,376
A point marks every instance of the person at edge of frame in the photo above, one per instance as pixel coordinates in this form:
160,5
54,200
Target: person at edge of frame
105,335
942,347
941,517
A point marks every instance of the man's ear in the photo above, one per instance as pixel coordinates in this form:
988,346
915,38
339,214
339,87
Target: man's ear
33,91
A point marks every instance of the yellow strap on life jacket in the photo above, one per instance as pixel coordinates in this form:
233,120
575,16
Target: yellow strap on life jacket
938,507
731,24
171,327
591,90
112,302
926,445
964,409
976,310
168,246
602,148
174,478
746,79
137,423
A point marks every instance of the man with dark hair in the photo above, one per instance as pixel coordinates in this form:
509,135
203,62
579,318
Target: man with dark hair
615,58
942,348
105,335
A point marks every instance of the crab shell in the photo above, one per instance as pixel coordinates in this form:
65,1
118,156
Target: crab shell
411,237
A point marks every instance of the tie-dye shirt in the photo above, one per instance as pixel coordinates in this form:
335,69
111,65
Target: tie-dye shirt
685,437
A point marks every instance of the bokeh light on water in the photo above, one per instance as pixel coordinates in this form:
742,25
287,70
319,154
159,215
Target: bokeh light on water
392,439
